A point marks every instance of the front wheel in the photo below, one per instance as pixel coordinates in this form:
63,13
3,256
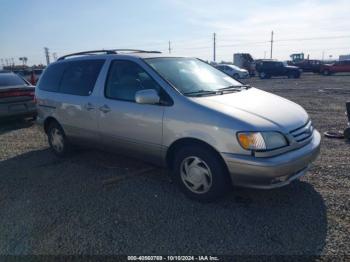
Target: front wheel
200,173
264,75
57,139
326,72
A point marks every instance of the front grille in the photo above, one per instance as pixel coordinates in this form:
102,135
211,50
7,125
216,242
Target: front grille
303,133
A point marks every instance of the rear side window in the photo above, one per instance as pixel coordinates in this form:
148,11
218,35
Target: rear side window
51,78
75,77
79,77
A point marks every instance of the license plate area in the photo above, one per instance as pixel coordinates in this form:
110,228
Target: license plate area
17,108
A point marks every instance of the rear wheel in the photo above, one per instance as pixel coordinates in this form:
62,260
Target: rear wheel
293,75
262,75
57,140
200,173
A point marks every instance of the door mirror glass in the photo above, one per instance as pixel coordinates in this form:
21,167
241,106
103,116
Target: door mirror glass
147,96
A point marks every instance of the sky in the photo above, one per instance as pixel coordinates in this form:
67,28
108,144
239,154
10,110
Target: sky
319,28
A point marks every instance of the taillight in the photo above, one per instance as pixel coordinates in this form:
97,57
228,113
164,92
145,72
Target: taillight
16,93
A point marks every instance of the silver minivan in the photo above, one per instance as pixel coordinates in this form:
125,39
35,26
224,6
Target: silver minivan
210,130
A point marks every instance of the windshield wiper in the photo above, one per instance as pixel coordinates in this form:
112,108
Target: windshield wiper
202,92
235,87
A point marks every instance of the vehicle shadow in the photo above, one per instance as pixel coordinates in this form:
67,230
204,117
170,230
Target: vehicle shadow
59,206
11,124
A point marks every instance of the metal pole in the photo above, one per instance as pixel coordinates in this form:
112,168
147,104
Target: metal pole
169,47
47,55
214,55
271,44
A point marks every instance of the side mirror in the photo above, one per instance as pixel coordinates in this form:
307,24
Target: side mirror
147,96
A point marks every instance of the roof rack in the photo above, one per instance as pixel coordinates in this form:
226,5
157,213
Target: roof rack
107,52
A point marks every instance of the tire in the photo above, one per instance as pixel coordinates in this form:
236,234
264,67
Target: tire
236,76
205,178
326,72
57,140
347,133
262,75
293,75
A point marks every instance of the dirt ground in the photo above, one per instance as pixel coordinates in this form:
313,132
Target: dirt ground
59,206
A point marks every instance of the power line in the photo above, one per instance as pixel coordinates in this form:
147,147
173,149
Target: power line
312,38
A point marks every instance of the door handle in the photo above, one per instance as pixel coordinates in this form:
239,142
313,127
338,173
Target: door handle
89,106
105,109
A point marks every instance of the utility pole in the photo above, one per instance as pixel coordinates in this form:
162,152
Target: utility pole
169,47
322,55
214,54
47,54
54,56
271,44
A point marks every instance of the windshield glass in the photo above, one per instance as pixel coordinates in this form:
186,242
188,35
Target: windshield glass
11,80
190,75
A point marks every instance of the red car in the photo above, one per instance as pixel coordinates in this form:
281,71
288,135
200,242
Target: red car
337,67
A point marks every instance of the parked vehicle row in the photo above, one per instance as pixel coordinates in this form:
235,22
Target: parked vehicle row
209,129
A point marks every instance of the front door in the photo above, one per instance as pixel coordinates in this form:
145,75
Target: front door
124,124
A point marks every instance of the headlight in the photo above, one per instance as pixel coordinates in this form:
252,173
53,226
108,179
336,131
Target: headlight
261,141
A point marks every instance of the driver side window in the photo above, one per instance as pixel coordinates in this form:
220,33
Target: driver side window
125,78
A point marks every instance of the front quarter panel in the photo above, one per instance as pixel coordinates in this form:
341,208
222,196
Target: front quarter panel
189,120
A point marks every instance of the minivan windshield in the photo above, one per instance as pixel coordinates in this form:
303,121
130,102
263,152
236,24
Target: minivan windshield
191,75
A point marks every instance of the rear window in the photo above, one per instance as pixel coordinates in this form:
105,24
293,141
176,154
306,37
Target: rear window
11,80
75,77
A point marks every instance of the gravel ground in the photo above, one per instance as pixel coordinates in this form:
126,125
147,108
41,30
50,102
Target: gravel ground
55,206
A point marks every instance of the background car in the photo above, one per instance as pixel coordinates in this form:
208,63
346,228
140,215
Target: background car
269,68
337,67
16,96
32,76
233,71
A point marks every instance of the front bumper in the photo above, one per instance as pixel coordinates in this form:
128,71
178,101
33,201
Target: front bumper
272,172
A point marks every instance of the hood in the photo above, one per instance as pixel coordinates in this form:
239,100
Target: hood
258,110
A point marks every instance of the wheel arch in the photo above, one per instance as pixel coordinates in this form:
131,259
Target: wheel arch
188,141
48,121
